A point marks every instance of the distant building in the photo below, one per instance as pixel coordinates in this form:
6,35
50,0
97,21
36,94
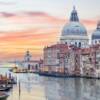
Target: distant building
29,63
27,59
74,33
96,35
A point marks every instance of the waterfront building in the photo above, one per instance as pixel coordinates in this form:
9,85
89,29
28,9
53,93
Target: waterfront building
62,58
96,35
87,62
74,36
54,58
72,60
96,60
73,55
74,33
76,56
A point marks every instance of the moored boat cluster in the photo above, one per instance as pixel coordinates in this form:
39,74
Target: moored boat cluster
6,84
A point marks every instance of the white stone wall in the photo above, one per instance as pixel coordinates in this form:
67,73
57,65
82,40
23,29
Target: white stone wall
95,41
75,40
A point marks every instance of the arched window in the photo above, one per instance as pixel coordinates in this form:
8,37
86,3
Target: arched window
29,66
95,42
76,44
36,66
65,42
79,44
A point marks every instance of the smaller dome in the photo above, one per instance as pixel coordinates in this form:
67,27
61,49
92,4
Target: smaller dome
74,28
96,33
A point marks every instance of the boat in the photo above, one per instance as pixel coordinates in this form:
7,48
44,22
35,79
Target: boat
5,88
12,81
3,95
9,86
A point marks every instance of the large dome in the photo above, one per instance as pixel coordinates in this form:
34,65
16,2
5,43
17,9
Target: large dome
74,33
74,28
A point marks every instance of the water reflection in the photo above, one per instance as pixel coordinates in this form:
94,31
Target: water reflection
34,87
72,89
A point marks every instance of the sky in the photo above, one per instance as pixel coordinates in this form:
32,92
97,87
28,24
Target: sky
33,24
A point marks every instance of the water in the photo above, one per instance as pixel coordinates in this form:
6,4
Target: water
34,87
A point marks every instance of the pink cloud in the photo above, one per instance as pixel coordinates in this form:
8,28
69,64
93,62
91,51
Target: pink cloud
30,13
23,17
5,14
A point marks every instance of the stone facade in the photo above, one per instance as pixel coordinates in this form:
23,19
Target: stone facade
72,60
54,58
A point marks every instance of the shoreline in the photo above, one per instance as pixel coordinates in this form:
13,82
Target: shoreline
66,76
57,75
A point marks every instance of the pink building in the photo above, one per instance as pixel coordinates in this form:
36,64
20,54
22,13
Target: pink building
62,59
71,60
54,57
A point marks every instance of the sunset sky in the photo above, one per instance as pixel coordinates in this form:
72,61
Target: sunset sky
34,24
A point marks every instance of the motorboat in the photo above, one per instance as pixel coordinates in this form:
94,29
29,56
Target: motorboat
4,88
12,81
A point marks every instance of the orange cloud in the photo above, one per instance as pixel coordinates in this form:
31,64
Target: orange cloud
14,44
39,30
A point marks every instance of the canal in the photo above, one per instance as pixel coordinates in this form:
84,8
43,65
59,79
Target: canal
35,87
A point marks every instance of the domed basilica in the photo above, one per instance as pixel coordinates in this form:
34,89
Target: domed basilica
74,33
62,59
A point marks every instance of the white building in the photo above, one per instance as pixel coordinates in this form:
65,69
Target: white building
27,59
30,64
74,33
96,35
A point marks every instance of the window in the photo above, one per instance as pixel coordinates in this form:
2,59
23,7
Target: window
79,44
95,42
65,42
76,44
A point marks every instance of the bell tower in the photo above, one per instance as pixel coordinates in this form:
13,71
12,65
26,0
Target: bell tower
27,57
